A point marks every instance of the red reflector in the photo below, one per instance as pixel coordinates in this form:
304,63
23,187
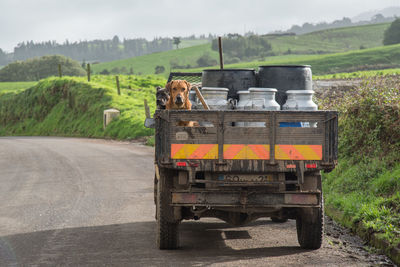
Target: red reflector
291,166
181,164
311,166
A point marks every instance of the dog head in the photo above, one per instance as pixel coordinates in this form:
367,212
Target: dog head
179,94
162,97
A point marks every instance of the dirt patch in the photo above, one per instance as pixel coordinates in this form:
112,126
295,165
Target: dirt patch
343,239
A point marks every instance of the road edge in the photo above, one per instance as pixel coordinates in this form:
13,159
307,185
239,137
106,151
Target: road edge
374,239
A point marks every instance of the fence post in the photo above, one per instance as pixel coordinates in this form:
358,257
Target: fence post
59,70
88,72
146,108
117,80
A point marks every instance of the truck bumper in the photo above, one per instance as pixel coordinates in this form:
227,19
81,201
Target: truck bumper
247,199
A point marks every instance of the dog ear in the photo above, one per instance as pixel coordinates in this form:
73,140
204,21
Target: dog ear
158,88
189,86
168,87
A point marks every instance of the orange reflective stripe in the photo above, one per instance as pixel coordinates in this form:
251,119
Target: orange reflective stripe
202,151
262,151
175,148
230,151
194,151
317,150
240,151
298,152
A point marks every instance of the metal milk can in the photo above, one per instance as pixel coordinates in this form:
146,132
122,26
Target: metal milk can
216,97
263,99
244,103
300,100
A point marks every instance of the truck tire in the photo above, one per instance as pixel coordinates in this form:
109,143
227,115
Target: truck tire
309,225
167,227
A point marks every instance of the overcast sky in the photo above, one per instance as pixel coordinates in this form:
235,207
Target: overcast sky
42,20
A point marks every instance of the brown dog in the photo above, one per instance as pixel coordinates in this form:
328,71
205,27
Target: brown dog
179,98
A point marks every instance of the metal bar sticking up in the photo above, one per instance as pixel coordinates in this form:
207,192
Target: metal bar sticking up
221,59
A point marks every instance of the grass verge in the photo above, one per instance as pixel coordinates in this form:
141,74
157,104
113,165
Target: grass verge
71,106
365,186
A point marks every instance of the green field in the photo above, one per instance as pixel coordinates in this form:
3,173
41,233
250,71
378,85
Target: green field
331,40
358,74
190,43
315,45
6,87
146,64
372,58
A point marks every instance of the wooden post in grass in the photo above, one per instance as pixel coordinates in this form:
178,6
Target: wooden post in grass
88,72
117,80
146,108
59,70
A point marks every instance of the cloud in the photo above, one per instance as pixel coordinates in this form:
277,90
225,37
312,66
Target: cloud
41,20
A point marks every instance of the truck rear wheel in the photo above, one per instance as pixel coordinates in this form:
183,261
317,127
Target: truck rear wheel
309,225
167,227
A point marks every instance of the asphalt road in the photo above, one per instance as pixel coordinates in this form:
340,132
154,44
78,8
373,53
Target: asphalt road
75,202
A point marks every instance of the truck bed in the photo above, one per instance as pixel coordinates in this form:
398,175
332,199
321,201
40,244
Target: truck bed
279,146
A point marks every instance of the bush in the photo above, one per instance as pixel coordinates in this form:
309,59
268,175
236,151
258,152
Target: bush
39,68
105,72
159,69
369,118
392,34
206,60
235,45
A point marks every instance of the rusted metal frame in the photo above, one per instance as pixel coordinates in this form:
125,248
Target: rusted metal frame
336,137
167,139
272,140
220,137
244,183
245,198
326,157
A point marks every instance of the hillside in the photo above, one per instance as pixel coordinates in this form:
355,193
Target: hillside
38,68
322,42
74,107
366,59
331,41
146,64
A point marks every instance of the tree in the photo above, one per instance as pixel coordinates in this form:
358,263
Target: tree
105,72
206,60
177,41
3,58
39,68
159,69
392,34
